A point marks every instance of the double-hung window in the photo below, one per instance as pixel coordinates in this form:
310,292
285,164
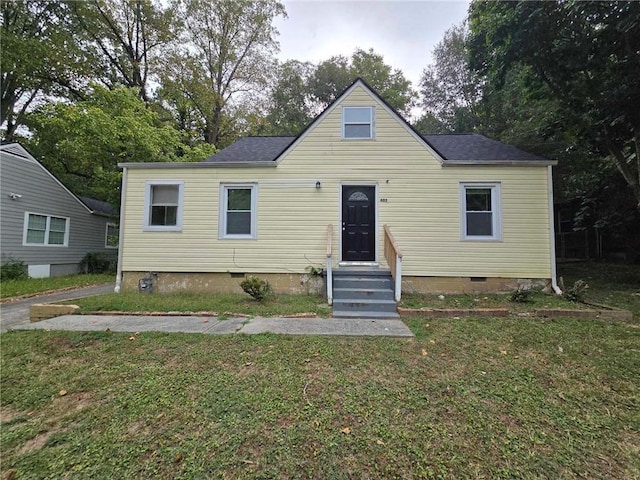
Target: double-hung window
358,122
238,205
480,215
112,236
45,230
163,205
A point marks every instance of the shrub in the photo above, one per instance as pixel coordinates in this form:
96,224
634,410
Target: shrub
13,270
521,295
256,287
99,262
576,292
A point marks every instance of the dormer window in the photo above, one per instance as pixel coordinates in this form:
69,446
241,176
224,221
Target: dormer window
357,122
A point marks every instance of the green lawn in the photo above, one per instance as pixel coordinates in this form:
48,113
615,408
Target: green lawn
610,284
12,288
480,398
210,302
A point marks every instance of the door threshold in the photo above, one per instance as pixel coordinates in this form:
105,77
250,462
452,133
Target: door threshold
358,264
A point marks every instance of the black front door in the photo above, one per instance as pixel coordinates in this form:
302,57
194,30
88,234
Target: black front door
358,224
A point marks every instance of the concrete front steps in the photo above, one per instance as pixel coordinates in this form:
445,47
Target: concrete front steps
363,293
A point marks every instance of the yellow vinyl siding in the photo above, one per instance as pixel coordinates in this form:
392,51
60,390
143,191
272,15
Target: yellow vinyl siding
422,208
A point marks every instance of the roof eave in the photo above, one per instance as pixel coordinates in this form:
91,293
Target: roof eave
172,165
514,163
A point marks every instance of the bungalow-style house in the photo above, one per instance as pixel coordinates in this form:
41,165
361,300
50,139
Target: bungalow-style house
360,194
45,225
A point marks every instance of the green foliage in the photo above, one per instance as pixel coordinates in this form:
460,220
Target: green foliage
583,55
315,271
13,269
576,292
334,75
258,289
449,90
83,142
40,57
289,107
521,295
99,262
226,51
124,39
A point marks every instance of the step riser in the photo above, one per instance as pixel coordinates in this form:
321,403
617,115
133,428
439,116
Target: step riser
353,294
359,283
363,306
340,314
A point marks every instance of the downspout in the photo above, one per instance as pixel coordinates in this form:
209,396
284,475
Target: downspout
552,233
123,196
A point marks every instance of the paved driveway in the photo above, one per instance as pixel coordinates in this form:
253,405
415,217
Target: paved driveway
17,313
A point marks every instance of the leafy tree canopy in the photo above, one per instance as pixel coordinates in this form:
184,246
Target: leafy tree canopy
334,75
587,56
82,143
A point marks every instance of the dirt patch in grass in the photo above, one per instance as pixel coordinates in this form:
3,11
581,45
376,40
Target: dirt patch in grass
8,415
37,442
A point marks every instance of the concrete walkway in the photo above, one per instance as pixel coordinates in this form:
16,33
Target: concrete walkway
212,325
13,314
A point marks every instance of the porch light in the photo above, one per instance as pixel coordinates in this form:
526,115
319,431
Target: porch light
318,185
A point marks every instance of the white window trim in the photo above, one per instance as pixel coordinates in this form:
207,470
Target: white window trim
496,209
147,207
222,213
372,124
106,235
25,229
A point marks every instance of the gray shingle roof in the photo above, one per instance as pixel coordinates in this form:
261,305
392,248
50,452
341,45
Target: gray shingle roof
467,147
473,147
252,149
99,206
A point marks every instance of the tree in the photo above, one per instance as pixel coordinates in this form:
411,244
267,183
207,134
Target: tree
584,53
82,143
450,90
39,57
227,51
334,75
289,105
124,36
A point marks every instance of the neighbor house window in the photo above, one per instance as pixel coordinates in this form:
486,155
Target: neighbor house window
163,205
45,230
357,122
238,210
112,236
480,216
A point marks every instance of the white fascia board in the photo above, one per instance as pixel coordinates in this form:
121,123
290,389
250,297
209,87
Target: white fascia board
172,165
504,163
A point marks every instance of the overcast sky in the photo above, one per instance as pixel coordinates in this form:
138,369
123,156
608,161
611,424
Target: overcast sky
403,31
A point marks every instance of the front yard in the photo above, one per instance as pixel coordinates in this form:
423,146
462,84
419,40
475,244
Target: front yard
482,398
31,286
511,397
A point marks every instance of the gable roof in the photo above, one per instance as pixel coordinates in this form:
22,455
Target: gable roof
455,149
93,205
450,149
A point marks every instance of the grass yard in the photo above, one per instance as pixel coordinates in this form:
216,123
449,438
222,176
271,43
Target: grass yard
13,288
199,302
480,398
610,284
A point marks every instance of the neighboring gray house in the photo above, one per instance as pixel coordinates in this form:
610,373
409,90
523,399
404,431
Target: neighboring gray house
45,225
